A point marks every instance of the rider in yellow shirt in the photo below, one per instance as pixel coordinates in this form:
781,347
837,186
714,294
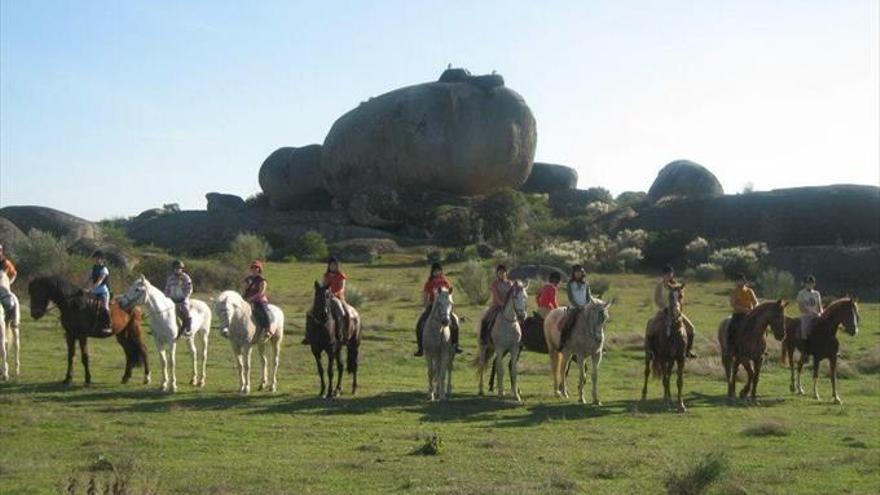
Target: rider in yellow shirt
742,300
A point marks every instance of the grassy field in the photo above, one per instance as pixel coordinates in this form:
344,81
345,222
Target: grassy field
212,441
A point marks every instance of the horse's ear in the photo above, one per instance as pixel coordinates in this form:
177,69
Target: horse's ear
609,303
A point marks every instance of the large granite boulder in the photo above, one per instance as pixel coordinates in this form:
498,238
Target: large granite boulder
684,179
113,254
224,202
64,225
10,236
464,135
839,270
291,179
549,178
802,216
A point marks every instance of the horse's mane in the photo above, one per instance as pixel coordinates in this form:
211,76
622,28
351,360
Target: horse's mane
759,310
834,306
62,285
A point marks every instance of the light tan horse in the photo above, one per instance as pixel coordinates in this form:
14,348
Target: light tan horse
437,343
505,338
9,331
587,338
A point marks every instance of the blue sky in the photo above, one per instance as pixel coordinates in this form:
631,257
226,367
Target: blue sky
108,108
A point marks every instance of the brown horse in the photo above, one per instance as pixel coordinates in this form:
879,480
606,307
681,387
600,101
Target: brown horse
749,345
323,338
792,342
79,320
665,346
823,343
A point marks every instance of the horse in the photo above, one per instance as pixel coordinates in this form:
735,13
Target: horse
792,342
587,338
532,340
437,343
238,324
823,344
163,318
9,330
665,347
79,320
749,345
505,339
322,337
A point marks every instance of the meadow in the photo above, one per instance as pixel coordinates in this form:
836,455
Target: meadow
213,441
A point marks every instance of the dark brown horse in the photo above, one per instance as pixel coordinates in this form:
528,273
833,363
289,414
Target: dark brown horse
822,342
749,345
323,338
665,347
80,321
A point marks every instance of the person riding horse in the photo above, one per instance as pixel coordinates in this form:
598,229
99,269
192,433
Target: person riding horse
255,293
6,299
178,288
810,305
99,290
742,301
499,289
547,295
334,279
578,291
436,281
661,300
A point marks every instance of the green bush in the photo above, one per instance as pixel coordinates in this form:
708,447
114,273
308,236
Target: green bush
708,272
456,226
310,246
599,285
434,256
42,254
632,199
474,282
738,259
246,248
667,247
502,214
777,284
699,477
354,296
697,251
629,258
207,275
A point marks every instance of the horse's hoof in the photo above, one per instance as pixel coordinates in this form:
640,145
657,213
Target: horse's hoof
582,401
194,382
597,402
273,388
837,401
87,384
792,389
261,387
681,408
147,380
201,383
518,399
173,389
816,397
67,381
125,381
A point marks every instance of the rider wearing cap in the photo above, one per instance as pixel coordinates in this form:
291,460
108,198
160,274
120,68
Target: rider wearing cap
255,293
99,289
334,279
498,289
810,305
178,288
436,281
742,300
578,291
661,300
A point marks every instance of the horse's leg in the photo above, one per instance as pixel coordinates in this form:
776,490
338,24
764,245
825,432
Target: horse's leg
84,356
450,360
679,382
582,377
276,360
429,365
731,382
554,357
832,361
647,375
726,362
667,376
130,358
264,376
758,363
340,372
514,373
204,376
194,353
163,361
444,368
816,364
800,369
317,356
143,350
492,377
789,352
481,367
172,358
750,377
239,366
16,342
247,369
596,359
499,373
71,354
4,366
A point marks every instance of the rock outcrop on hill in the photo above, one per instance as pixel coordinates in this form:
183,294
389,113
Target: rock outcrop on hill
684,179
224,202
803,216
549,178
291,179
10,235
463,134
69,227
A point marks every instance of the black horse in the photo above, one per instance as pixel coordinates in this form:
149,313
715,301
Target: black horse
323,337
80,321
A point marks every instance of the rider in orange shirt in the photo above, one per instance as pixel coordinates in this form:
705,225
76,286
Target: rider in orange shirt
435,282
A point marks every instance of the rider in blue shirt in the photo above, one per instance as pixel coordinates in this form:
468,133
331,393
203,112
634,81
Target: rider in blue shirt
99,289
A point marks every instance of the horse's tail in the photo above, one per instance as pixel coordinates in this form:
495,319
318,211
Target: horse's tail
351,358
782,357
131,340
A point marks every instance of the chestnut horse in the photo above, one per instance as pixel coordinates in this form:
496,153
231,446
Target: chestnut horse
322,337
79,320
749,345
823,343
665,344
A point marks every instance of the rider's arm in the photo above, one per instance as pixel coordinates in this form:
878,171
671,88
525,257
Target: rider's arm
100,279
570,293
187,286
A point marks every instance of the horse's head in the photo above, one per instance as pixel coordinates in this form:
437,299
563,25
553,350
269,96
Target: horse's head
321,302
223,309
519,298
851,318
676,301
136,293
598,315
40,291
776,319
443,306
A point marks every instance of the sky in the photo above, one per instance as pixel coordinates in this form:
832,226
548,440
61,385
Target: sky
109,108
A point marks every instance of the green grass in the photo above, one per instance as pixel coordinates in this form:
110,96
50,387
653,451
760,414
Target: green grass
213,441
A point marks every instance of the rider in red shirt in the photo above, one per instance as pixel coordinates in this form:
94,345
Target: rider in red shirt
334,279
547,295
499,289
435,282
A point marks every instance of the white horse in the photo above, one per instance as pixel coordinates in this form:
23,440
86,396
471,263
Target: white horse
505,338
586,339
437,343
238,324
9,332
163,322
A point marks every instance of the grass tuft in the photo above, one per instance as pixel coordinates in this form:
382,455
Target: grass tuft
432,445
767,428
699,477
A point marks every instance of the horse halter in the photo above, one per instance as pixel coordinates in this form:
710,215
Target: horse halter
515,290
434,311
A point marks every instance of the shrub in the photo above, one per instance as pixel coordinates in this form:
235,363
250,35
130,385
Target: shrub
433,256
633,199
379,292
456,226
627,238
629,258
502,215
42,254
766,428
596,209
247,247
733,260
777,284
697,251
662,248
310,246
207,275
707,272
699,477
474,282
598,194
354,296
113,233
599,285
